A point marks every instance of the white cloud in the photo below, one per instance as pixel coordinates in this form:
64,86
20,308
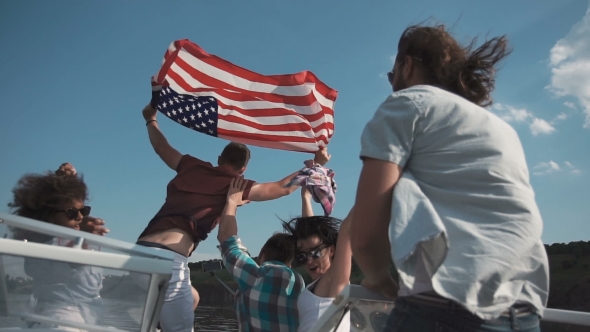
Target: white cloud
546,168
537,126
570,105
541,127
562,116
551,166
572,168
570,66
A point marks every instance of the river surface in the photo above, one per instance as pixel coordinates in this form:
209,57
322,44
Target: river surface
125,315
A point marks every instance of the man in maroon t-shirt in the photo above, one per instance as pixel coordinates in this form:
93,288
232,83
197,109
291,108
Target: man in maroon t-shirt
195,200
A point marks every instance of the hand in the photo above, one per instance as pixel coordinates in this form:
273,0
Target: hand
66,169
93,225
236,190
385,285
322,156
149,113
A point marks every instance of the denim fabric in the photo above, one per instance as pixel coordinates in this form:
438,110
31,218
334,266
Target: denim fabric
412,317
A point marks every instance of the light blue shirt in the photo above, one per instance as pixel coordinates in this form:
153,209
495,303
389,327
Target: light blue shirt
464,218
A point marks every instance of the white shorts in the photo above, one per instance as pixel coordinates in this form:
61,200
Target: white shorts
177,312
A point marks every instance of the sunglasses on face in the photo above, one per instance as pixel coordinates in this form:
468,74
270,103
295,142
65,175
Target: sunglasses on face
316,253
390,76
72,212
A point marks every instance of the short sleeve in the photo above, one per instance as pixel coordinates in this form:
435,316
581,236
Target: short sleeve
187,161
389,135
246,193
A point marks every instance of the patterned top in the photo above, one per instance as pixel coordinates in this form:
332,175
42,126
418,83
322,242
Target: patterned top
267,295
320,183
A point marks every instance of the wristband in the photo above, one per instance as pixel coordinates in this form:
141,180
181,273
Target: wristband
149,122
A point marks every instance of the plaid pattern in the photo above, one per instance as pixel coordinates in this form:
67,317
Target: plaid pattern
320,183
267,295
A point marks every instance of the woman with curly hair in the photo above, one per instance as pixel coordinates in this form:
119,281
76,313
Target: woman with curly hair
60,290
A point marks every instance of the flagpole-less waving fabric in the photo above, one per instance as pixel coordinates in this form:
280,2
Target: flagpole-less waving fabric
213,96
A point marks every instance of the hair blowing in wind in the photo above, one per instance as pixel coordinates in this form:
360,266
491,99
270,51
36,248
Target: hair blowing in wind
464,70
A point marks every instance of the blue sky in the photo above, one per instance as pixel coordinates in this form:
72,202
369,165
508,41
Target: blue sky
76,76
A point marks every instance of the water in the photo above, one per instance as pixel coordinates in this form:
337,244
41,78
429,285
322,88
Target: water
126,315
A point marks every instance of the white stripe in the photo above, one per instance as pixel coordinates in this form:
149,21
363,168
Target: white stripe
242,83
247,129
275,120
246,105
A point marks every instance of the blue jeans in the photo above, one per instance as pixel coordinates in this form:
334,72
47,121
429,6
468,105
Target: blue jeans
410,317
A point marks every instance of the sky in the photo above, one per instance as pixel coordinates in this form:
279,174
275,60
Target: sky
77,75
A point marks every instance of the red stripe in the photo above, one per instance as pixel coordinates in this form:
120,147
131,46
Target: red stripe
207,80
242,97
265,137
282,80
274,112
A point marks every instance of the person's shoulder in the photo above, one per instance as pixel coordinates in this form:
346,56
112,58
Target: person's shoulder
187,162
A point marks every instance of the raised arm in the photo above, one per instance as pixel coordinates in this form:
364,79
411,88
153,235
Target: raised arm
338,275
159,142
228,225
306,207
273,190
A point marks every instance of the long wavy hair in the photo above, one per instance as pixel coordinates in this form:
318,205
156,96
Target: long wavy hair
464,70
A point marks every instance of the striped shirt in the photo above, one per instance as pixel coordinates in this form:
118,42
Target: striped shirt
266,299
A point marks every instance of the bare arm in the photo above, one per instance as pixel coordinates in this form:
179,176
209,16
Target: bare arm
273,190
306,208
338,275
370,243
228,225
159,142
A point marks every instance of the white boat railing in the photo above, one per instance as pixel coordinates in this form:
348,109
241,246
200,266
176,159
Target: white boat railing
149,270
369,312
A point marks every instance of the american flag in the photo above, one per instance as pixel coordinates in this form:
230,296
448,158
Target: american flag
213,96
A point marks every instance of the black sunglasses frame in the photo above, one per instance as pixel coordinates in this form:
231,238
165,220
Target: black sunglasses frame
313,253
72,212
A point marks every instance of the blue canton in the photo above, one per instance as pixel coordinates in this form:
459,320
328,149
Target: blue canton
196,113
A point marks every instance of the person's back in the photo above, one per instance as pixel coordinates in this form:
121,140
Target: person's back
276,289
448,181
470,166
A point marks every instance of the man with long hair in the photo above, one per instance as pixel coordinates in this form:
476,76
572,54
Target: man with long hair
450,180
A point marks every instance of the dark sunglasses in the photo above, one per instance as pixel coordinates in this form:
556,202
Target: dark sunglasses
72,212
390,76
316,253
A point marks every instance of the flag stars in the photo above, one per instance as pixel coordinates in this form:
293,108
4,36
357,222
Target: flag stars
199,114
206,112
192,117
184,119
164,105
199,105
187,108
173,112
212,109
168,113
194,107
180,110
210,131
203,124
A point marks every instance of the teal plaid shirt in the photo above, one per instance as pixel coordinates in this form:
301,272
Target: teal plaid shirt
267,295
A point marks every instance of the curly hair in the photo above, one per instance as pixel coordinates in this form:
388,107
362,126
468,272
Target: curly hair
37,196
326,228
464,70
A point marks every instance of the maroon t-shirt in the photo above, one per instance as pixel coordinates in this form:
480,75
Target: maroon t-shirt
195,199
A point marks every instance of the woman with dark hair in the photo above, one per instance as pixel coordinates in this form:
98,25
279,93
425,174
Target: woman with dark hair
60,290
323,248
